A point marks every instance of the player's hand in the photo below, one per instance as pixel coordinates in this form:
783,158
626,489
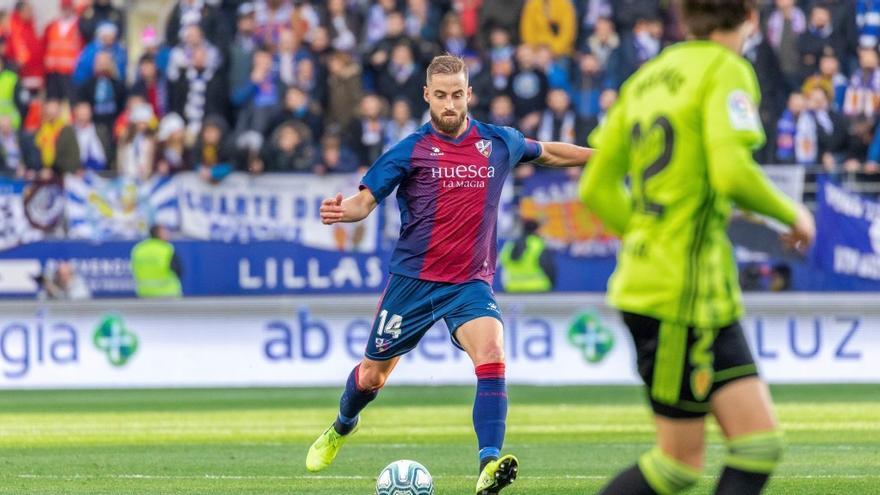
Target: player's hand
802,232
332,210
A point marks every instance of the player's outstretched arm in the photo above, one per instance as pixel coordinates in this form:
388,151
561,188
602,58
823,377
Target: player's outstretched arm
352,209
603,184
555,154
734,174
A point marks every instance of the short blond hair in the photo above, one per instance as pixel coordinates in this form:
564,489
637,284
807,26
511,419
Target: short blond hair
446,64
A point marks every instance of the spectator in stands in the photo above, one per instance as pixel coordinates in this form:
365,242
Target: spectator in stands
819,38
260,97
863,93
868,22
137,144
93,146
321,53
549,22
31,104
243,47
481,81
24,46
772,84
298,108
364,135
785,25
379,15
289,150
555,68
344,91
334,158
636,48
500,45
344,25
829,127
56,140
402,78
307,79
64,284
106,42
400,125
422,21
589,82
182,56
843,20
559,122
104,91
200,91
628,13
171,154
589,12
501,73
288,56
63,46
452,38
152,46
304,19
380,56
187,13
151,85
272,17
467,11
214,153
10,91
18,155
603,42
863,145
501,111
787,129
97,12
500,14
830,79
863,142
529,87
606,101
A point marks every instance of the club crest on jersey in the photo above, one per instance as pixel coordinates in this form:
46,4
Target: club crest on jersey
484,146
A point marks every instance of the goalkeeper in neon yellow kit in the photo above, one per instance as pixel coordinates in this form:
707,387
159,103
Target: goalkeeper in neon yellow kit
683,131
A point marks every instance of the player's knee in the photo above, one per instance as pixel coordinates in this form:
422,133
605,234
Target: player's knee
489,355
756,452
371,378
666,474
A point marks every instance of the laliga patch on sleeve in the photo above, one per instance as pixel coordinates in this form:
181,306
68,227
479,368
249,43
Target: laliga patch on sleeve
742,112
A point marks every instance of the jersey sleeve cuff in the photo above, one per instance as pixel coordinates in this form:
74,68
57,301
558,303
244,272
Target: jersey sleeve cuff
532,150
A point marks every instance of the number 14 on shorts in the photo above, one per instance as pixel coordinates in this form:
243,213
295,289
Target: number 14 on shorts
392,327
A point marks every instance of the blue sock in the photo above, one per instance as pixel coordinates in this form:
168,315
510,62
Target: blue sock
353,401
490,411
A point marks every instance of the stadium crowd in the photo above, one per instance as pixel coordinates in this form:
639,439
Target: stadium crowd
323,87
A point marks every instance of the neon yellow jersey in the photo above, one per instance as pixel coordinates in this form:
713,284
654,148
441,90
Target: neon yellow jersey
683,130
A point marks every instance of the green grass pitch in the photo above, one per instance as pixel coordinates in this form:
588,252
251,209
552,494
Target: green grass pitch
253,441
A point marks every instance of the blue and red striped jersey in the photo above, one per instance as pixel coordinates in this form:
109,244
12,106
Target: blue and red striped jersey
448,190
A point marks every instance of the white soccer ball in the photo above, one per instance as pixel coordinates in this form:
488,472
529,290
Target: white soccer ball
405,478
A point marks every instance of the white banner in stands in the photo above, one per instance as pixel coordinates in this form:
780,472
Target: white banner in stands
553,339
273,207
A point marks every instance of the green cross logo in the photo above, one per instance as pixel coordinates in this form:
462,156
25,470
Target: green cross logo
594,339
113,338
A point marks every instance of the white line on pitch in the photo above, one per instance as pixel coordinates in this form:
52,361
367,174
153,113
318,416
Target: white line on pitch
358,477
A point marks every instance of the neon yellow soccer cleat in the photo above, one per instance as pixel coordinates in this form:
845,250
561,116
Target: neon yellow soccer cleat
497,475
325,448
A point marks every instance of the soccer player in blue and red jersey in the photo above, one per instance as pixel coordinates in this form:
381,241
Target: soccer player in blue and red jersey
448,176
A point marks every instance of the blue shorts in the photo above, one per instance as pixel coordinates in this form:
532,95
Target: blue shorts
410,307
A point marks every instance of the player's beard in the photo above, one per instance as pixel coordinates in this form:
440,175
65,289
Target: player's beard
448,122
